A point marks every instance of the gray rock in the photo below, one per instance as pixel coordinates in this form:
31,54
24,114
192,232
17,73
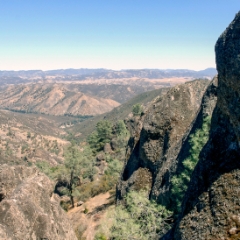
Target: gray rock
215,181
157,138
30,210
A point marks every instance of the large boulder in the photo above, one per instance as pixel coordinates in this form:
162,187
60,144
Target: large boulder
28,207
211,207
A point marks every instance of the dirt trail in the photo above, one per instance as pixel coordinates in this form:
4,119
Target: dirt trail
96,207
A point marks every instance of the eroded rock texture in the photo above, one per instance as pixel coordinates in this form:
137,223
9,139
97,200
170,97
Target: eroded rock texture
211,208
28,208
157,138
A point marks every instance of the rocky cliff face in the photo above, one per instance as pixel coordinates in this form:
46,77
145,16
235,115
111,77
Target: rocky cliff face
28,207
157,139
211,207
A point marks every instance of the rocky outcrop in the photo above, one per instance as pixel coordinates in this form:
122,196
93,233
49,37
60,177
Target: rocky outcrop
211,207
157,138
28,207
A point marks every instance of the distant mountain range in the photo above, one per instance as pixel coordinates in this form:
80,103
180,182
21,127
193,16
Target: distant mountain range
14,77
84,91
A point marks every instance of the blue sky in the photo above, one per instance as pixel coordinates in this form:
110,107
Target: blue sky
113,34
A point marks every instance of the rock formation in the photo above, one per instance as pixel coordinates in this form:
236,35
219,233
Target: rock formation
211,207
157,139
28,207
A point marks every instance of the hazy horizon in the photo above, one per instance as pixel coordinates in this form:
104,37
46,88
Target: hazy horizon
109,69
115,35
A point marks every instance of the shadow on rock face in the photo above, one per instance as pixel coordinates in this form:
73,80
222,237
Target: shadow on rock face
211,204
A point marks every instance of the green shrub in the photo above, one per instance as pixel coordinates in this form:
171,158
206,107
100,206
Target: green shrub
90,189
65,206
100,236
180,182
45,167
114,168
24,148
139,218
85,211
120,128
101,136
28,135
137,109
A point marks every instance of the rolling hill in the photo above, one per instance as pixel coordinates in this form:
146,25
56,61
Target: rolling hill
52,99
85,128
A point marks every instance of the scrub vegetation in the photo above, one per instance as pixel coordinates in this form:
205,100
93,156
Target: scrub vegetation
180,182
138,218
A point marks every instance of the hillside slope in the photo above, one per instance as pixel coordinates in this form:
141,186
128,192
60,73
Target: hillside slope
84,128
31,137
120,92
53,99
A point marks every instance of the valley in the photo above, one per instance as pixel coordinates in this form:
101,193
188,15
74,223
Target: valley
120,120
96,147
83,92
42,124
39,119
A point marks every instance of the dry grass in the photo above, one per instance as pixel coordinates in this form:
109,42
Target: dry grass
97,207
